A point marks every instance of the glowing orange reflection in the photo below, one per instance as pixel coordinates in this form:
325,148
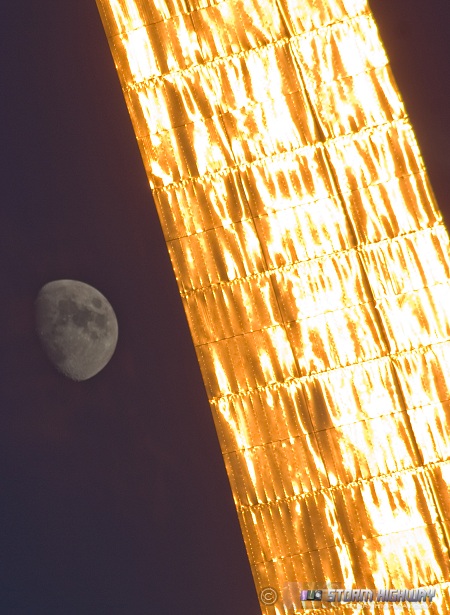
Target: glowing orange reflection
314,270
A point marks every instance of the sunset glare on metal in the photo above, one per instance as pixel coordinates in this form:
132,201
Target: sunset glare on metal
313,266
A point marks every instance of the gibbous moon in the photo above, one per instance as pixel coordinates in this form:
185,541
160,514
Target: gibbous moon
77,327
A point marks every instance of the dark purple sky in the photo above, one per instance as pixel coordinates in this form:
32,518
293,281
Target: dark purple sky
113,495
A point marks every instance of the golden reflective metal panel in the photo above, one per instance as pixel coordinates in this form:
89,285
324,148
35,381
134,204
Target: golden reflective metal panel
313,266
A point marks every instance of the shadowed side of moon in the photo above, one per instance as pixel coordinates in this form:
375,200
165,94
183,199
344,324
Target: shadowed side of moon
77,327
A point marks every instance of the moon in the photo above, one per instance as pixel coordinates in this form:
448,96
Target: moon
77,327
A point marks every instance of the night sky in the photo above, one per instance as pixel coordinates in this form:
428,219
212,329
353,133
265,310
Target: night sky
113,495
